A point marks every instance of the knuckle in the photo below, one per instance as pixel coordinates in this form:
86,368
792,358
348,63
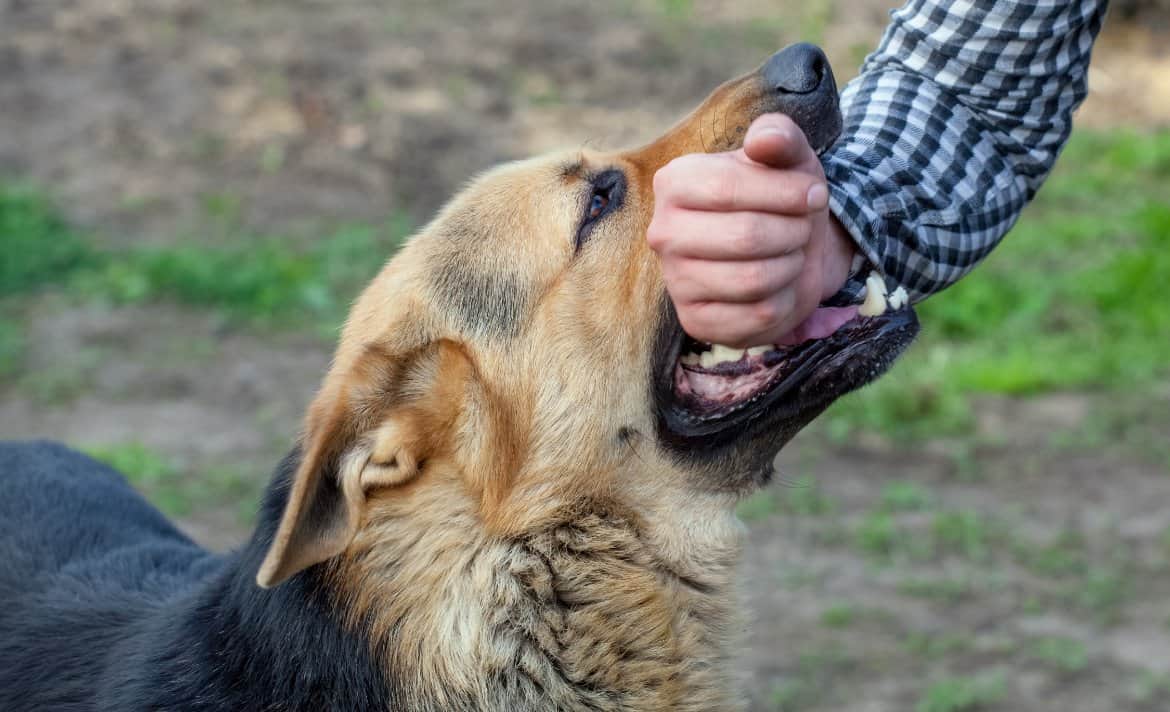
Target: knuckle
722,186
750,236
676,279
674,173
692,323
795,262
802,235
793,192
764,314
664,179
754,280
799,233
658,233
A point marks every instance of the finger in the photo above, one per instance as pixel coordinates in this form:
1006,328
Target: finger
740,325
695,281
776,141
726,236
723,183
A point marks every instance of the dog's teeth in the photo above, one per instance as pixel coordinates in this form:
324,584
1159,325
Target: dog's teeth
874,305
689,360
875,301
898,298
757,351
875,296
726,353
707,359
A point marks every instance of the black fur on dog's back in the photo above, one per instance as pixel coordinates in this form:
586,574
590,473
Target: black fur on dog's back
104,605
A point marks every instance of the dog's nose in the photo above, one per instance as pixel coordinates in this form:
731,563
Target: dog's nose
798,69
800,83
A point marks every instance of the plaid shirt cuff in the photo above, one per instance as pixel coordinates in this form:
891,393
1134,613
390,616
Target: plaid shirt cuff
950,129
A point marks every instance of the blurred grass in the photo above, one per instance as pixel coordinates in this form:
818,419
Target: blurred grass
148,470
266,279
963,694
178,492
1071,300
11,344
38,246
261,278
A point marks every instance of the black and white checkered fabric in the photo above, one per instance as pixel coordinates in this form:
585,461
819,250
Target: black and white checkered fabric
950,129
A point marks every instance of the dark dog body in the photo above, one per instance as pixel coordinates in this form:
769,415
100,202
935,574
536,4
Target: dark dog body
105,605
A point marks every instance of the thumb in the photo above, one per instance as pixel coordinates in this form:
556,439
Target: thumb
775,140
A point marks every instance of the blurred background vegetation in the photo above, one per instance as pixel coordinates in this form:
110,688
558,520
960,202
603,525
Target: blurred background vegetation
191,193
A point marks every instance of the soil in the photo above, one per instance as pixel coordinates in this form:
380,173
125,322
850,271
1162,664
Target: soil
142,116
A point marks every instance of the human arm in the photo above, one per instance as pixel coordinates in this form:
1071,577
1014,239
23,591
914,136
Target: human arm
950,129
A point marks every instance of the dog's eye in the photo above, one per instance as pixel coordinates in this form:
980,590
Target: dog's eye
606,197
597,204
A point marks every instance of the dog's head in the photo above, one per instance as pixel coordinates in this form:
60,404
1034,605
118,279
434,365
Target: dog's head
520,353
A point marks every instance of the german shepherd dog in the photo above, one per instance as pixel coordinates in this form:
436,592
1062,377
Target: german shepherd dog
513,490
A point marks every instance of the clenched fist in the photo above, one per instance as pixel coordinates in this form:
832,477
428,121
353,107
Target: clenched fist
747,244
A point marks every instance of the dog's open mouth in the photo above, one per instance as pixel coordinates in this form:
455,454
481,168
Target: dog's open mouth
708,393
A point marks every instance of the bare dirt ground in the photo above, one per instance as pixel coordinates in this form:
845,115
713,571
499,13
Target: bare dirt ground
144,116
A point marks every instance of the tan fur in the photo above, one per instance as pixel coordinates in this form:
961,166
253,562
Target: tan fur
508,528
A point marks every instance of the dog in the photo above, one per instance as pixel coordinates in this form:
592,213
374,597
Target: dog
514,489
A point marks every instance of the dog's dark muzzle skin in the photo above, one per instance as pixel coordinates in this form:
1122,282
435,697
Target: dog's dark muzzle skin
734,450
798,81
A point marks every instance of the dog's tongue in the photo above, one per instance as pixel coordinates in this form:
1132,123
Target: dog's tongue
821,323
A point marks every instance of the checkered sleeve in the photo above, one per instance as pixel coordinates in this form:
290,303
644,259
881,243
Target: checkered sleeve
954,122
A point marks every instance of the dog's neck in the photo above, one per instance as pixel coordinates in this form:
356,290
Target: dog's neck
580,613
421,614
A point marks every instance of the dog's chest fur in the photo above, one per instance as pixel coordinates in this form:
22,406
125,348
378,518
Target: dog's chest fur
577,616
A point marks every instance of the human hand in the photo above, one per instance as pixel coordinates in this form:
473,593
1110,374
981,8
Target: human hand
747,245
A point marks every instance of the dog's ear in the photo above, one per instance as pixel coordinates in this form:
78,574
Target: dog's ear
369,427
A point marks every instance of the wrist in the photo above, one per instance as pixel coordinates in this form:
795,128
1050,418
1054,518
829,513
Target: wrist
838,256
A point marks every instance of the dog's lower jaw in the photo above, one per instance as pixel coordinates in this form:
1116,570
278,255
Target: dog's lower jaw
580,615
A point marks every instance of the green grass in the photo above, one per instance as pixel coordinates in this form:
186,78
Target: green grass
760,505
678,9
149,471
268,279
905,497
39,248
965,533
884,536
962,694
933,645
261,278
176,491
805,497
1071,300
792,696
878,536
1063,556
11,344
802,497
1103,591
1151,686
1063,654
944,589
840,615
